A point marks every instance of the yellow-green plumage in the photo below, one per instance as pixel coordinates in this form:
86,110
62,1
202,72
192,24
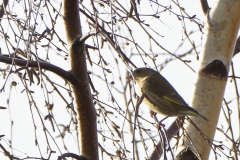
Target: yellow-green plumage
160,96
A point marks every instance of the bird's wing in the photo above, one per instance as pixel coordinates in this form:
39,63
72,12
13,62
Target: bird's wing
161,88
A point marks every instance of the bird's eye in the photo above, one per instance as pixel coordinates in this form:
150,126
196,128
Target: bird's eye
137,71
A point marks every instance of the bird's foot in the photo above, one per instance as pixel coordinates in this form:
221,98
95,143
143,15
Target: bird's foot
160,124
152,114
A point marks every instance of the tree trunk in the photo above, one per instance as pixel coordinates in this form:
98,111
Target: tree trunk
221,29
82,94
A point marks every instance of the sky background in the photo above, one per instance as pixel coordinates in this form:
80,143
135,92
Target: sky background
177,73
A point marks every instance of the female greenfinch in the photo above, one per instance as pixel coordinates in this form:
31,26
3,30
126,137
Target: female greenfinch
160,96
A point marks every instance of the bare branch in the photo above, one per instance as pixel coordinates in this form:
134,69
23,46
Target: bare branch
205,6
72,155
237,46
68,76
171,132
2,8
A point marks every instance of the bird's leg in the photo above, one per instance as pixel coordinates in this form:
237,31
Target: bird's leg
153,115
160,123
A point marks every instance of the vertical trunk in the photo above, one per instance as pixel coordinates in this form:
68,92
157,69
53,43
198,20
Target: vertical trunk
221,29
82,94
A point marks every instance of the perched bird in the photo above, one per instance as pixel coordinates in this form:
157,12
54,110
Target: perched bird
160,96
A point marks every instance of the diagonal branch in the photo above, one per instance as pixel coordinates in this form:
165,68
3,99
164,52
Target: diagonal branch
107,35
171,132
68,76
205,6
237,47
2,8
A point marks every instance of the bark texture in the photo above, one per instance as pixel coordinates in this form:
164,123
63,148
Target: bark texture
82,94
221,29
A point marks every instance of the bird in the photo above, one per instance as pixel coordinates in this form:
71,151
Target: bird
160,96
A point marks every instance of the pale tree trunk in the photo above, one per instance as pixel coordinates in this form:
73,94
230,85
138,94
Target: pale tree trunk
221,29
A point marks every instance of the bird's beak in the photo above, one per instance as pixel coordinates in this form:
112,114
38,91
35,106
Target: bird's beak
129,77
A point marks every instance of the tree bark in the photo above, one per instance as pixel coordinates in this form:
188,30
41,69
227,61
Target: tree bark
221,29
82,94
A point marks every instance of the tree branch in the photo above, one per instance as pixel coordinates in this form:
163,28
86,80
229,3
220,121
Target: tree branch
237,46
72,155
171,132
105,34
205,6
87,119
68,76
2,8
